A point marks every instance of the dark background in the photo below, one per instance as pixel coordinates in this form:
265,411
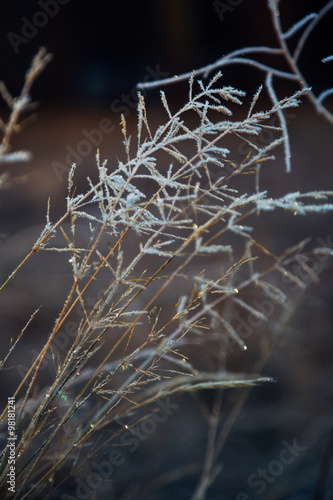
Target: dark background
101,50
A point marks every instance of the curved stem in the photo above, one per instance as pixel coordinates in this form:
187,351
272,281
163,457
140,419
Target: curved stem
292,61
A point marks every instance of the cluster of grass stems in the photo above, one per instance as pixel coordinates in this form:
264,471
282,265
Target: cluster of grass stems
153,220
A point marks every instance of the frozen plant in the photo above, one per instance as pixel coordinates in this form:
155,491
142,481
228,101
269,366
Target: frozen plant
152,219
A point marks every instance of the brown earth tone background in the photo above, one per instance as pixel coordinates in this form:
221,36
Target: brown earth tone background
92,78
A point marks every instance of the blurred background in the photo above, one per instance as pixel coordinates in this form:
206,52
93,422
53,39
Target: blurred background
100,53
101,50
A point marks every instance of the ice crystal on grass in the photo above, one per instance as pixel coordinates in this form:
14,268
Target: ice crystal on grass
173,222
188,213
